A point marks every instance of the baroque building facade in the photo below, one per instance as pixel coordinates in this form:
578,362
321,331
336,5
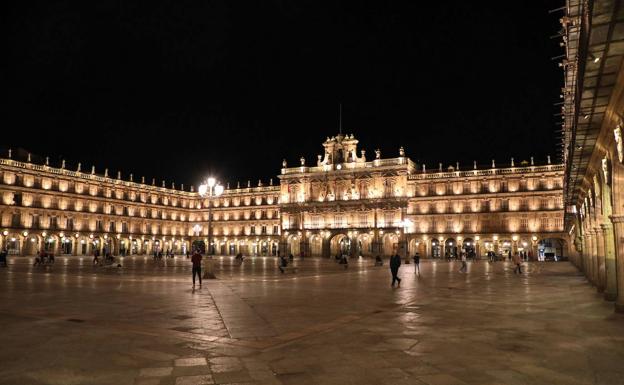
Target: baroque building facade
342,204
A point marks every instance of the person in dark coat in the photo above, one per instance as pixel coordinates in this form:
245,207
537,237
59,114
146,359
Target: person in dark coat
395,263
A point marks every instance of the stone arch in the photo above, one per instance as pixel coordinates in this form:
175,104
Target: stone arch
293,245
82,244
450,248
316,245
364,244
66,246
505,248
340,244
390,244
551,248
51,243
13,243
469,247
31,244
436,248
418,245
199,244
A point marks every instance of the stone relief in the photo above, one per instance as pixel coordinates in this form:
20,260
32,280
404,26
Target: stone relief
619,144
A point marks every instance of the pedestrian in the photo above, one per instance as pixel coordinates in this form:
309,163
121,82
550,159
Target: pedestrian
283,262
417,263
3,257
395,263
518,261
96,260
196,261
464,265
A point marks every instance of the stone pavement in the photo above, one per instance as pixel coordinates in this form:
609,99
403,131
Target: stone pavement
144,324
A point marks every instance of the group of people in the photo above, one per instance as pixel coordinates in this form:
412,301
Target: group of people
109,258
44,258
158,254
283,262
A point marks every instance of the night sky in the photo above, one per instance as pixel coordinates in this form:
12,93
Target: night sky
179,89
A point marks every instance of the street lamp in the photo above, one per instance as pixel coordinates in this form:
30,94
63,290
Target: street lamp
210,188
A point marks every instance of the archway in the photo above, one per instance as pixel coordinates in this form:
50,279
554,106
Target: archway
12,242
551,249
340,244
417,245
66,246
316,245
505,248
390,244
49,244
450,248
83,246
436,249
469,247
364,245
293,245
31,244
200,245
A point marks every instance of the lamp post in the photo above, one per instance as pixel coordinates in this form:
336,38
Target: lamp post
210,188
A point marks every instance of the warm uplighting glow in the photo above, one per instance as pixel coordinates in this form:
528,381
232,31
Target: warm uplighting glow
211,182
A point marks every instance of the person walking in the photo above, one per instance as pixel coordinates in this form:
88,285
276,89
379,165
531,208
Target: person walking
395,263
464,265
417,264
518,261
196,261
283,262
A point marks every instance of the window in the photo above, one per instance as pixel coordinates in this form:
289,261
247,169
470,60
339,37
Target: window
98,225
124,227
111,226
363,220
338,221
15,220
53,223
389,218
253,230
264,229
275,229
70,223
524,224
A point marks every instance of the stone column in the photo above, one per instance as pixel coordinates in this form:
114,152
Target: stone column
618,233
590,255
601,276
610,268
22,245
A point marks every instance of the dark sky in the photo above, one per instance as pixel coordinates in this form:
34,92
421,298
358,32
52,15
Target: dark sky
179,89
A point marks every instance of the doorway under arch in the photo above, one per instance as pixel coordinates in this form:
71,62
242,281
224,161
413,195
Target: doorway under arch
340,244
551,249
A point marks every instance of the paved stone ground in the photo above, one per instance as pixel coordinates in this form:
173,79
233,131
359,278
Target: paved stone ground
144,324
